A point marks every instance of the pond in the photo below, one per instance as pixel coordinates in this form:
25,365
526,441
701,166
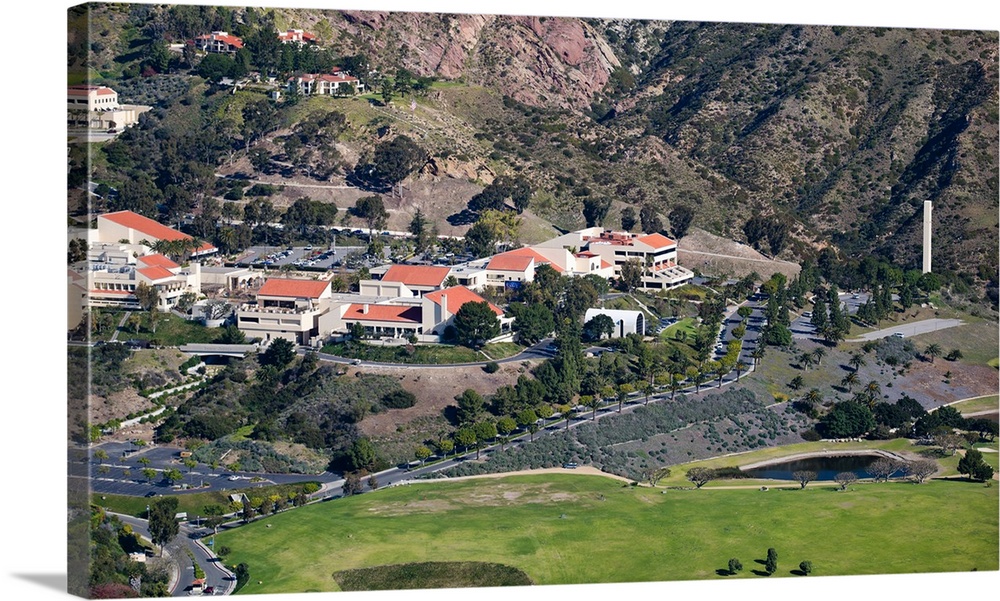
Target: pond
826,468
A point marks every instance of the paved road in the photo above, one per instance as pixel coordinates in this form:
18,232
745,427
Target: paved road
216,574
911,329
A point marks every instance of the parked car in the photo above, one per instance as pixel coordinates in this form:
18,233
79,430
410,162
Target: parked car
898,335
569,465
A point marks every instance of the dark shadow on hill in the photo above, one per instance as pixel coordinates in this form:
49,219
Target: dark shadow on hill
797,573
464,574
760,573
724,572
463,217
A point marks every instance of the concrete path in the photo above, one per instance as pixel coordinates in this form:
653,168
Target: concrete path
910,329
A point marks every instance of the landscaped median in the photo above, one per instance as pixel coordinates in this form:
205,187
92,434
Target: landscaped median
543,524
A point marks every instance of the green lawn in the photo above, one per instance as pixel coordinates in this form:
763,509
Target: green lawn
688,325
983,403
546,525
431,354
171,331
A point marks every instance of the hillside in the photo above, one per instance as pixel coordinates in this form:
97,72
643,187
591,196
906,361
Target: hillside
840,133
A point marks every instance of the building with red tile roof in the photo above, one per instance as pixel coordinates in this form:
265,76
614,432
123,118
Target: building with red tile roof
289,308
157,260
656,253
113,272
219,42
136,228
97,107
295,288
420,279
299,36
395,314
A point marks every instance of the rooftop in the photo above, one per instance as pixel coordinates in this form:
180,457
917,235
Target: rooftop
458,296
150,228
417,275
293,288
397,313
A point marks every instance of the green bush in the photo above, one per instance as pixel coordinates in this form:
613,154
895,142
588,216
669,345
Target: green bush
491,367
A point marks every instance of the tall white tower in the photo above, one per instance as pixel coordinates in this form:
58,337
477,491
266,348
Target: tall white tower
928,207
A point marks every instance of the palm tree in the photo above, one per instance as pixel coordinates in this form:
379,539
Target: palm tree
850,380
872,390
813,397
740,367
818,354
757,354
857,360
647,390
796,383
933,350
806,359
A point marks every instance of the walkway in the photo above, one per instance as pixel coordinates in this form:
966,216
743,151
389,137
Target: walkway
910,329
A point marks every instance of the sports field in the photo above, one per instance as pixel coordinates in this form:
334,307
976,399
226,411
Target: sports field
561,529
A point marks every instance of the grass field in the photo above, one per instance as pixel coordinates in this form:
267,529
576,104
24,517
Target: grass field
546,525
983,403
432,354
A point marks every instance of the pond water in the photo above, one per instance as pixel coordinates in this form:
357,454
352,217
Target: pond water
826,468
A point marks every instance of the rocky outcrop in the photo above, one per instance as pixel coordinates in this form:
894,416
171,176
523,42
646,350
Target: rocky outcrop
535,60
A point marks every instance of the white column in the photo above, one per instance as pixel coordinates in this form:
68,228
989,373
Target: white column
928,207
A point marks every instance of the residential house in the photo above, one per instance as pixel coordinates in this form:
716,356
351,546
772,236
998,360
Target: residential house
219,42
296,36
336,83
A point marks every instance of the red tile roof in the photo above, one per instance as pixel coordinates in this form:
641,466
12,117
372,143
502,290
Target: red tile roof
151,229
509,262
85,89
397,313
293,288
417,275
223,37
657,241
158,261
539,259
458,296
155,273
605,264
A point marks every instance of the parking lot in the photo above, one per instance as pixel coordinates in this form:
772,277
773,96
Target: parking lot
273,257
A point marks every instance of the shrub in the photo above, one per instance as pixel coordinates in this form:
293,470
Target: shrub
399,399
491,367
806,567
